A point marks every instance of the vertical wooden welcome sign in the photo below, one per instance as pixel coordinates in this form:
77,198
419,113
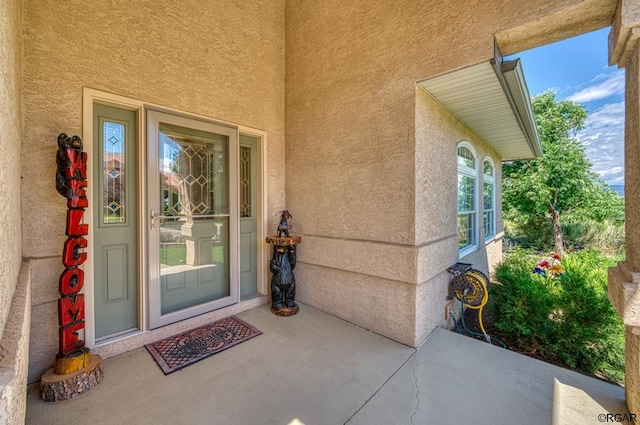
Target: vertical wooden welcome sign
76,370
71,182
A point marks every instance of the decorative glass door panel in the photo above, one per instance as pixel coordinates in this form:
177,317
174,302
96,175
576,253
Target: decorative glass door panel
193,223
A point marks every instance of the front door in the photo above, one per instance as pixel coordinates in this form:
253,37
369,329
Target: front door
193,223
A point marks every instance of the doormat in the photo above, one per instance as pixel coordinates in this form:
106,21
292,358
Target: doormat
179,351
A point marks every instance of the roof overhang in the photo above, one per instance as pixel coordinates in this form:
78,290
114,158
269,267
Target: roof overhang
492,99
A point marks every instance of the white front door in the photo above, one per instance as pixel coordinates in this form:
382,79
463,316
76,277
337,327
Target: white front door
193,226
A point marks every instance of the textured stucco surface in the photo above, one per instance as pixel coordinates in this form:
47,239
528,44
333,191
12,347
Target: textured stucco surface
624,280
557,21
10,149
223,60
624,295
14,354
371,159
436,139
632,156
384,306
351,147
632,368
14,290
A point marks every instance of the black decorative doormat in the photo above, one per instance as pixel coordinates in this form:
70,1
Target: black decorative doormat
179,351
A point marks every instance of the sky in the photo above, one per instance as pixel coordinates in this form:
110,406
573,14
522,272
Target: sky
577,69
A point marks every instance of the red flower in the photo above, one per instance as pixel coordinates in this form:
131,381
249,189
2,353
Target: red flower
543,263
555,255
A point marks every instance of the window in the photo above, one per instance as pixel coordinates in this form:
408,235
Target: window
488,199
467,223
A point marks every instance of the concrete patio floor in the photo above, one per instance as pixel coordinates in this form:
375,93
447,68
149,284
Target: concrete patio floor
315,369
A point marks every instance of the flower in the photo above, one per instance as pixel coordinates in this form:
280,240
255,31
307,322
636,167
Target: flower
549,270
556,269
539,271
543,263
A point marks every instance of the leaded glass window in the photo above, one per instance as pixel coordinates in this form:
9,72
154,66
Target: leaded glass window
245,182
114,204
193,170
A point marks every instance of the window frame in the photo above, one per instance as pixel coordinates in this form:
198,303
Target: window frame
489,179
465,171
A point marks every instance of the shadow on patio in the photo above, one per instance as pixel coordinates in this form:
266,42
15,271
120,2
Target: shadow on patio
316,369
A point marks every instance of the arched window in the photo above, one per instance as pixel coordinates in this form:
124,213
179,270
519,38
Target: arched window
488,198
467,206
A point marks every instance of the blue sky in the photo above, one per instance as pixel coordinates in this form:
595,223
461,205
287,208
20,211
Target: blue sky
577,69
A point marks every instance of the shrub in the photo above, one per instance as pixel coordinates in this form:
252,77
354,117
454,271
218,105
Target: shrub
605,236
565,318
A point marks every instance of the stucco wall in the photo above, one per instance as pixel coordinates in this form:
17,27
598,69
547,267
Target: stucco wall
14,290
350,101
632,158
14,354
361,173
10,148
437,135
222,59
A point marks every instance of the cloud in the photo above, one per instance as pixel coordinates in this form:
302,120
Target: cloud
607,116
603,138
612,85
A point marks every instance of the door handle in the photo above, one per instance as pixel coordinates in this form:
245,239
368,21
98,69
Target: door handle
153,218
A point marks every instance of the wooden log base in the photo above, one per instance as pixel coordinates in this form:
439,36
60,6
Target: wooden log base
64,387
286,311
72,362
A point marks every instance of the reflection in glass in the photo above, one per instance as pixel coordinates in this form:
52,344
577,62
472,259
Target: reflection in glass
194,232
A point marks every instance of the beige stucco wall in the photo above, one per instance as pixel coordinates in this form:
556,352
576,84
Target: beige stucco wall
14,354
624,280
10,148
354,162
364,179
437,134
632,157
222,59
14,283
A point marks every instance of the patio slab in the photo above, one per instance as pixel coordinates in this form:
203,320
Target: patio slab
311,367
315,369
455,379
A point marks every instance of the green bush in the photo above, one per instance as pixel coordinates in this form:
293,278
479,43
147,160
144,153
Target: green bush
605,236
565,318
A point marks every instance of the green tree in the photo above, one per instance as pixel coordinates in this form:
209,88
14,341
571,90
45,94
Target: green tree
561,183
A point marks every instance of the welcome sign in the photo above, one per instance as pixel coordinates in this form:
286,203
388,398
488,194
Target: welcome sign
71,182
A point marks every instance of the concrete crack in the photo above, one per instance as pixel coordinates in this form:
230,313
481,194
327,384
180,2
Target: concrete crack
417,390
413,354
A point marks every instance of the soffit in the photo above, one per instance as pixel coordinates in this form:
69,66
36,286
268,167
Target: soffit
494,104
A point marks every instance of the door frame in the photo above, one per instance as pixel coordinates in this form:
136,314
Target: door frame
91,96
263,287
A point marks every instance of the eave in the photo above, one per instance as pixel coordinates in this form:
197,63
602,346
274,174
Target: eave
492,99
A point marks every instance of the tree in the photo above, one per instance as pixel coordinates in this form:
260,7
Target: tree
561,182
